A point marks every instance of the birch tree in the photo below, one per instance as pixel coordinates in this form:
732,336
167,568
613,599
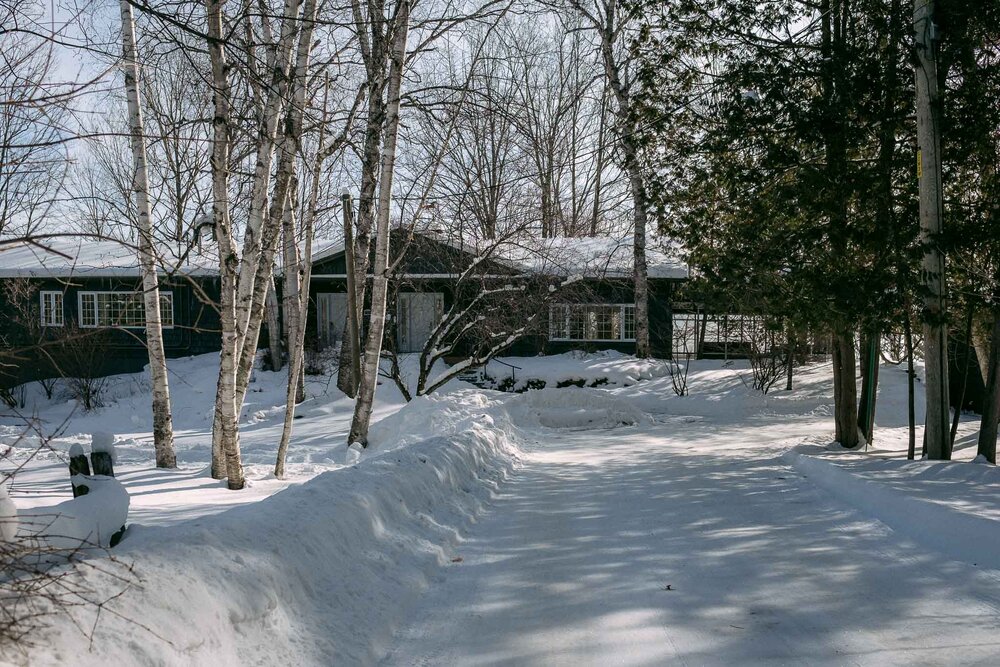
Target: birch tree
246,276
610,23
163,436
380,269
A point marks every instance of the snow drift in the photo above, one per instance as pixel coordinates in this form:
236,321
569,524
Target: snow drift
573,408
924,510
316,574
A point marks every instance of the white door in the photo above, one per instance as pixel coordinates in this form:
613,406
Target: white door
331,316
418,313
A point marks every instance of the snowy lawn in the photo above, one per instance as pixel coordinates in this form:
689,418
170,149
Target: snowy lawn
162,497
612,525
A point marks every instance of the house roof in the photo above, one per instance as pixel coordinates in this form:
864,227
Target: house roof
65,257
588,257
595,257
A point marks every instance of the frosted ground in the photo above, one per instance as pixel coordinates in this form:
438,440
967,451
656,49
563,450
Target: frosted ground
610,525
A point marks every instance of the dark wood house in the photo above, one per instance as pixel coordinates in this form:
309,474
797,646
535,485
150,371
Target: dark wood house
76,308
577,293
591,303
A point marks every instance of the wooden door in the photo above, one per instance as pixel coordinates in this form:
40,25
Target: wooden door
418,313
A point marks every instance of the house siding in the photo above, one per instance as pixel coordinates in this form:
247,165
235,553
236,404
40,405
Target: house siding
196,328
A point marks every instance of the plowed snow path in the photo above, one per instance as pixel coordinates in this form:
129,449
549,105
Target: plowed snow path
572,564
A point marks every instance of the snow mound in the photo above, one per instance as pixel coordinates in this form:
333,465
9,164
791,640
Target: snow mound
317,574
573,408
913,498
437,414
90,520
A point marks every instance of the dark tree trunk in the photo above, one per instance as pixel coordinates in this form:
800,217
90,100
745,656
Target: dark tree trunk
956,418
846,399
911,451
991,405
869,385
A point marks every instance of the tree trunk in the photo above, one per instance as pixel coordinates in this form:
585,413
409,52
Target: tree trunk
957,417
937,430
223,422
838,381
790,363
609,32
599,167
869,384
911,451
372,37
163,431
373,347
987,445
274,330
847,397
981,342
640,273
351,371
245,280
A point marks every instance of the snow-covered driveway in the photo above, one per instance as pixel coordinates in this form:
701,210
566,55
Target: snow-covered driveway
690,542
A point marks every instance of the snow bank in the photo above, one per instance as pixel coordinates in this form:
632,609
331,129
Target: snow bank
573,408
915,498
318,573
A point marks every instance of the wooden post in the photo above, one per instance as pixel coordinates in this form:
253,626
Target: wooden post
102,463
78,465
937,431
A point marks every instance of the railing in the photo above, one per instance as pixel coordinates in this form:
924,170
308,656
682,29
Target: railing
511,366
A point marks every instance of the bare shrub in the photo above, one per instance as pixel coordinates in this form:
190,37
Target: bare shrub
83,353
767,353
684,337
49,386
15,397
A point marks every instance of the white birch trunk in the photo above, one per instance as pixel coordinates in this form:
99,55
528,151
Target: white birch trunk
608,31
373,345
226,459
163,432
254,238
244,283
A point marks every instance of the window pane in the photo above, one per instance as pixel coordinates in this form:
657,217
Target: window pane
167,309
57,309
87,309
629,325
598,322
120,309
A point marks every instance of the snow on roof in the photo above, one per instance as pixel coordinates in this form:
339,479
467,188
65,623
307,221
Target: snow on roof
80,256
590,257
323,248
596,257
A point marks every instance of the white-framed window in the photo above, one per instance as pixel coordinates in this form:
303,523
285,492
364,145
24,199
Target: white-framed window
51,308
121,309
600,322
